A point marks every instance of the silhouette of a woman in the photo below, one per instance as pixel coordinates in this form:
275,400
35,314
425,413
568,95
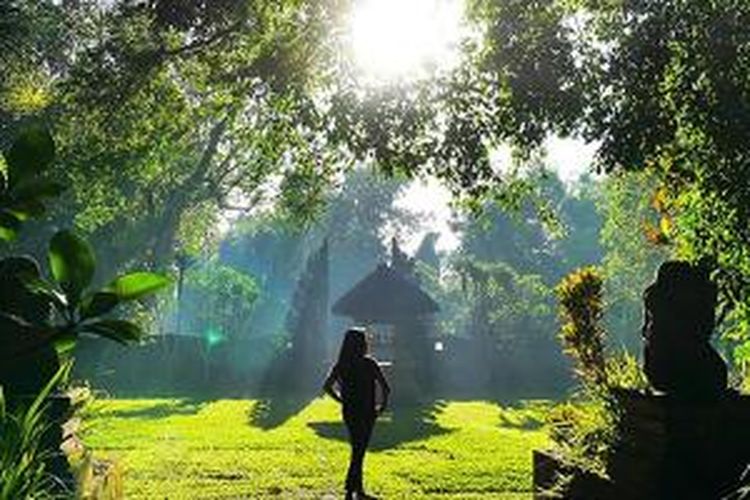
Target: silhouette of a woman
351,382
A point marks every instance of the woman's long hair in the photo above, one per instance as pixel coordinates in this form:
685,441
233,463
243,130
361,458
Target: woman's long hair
353,348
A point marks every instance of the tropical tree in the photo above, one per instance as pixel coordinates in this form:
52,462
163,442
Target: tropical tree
660,86
633,250
580,245
217,302
163,118
356,221
186,109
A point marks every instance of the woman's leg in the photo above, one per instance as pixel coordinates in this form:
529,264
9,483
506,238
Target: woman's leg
351,427
360,430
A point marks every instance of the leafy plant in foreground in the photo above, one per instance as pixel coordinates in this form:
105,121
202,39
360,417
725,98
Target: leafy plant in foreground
22,456
41,317
25,185
35,311
77,308
582,334
585,431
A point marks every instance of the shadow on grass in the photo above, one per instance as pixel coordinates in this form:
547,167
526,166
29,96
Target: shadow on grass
400,426
284,392
272,412
158,409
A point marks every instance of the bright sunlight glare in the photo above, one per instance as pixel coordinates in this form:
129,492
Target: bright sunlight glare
405,39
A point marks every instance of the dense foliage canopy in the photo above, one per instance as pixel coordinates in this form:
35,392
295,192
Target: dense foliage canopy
170,113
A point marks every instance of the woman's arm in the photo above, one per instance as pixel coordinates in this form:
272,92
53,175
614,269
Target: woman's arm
380,378
330,382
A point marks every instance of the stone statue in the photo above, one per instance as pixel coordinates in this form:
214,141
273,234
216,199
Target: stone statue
678,323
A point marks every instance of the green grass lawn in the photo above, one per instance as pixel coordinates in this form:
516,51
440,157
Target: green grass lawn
255,449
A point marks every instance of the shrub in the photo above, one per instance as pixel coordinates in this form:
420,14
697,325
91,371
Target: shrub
585,431
22,454
623,371
582,334
41,317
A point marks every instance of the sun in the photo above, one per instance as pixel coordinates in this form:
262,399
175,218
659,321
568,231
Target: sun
405,39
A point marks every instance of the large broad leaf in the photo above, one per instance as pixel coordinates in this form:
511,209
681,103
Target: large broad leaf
136,285
22,267
118,330
37,188
31,152
27,209
24,200
65,343
24,293
9,226
72,263
14,328
38,286
18,337
98,304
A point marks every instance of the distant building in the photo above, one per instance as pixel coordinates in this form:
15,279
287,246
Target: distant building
399,314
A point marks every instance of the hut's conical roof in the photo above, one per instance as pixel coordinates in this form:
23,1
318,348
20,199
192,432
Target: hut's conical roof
384,296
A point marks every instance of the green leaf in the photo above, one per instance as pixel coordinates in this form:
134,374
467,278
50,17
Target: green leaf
35,412
118,330
136,285
27,272
27,209
14,332
65,343
40,287
31,152
72,263
9,226
13,327
36,188
98,304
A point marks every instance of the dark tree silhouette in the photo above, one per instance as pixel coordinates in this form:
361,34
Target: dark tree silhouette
307,322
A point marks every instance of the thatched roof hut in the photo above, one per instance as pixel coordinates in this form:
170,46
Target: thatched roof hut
385,296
